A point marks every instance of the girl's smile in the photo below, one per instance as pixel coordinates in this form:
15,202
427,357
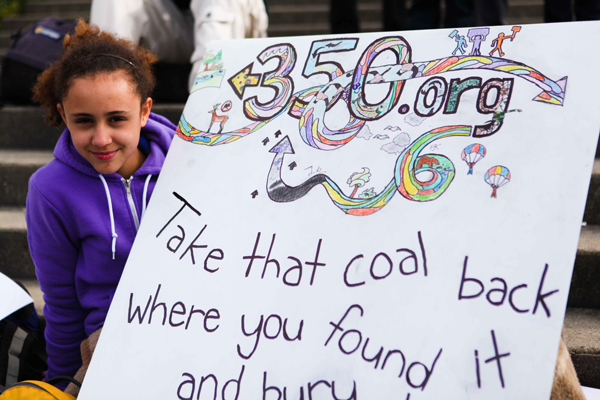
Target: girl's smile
104,115
103,156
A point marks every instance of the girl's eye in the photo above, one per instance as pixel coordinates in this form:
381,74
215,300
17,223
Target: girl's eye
83,120
117,119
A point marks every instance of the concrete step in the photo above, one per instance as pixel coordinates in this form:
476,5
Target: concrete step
316,13
23,127
525,20
33,287
21,21
58,6
582,336
16,166
585,285
526,10
276,3
319,28
592,206
5,39
514,3
16,263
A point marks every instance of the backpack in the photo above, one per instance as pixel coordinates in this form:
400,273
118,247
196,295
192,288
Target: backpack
32,50
35,390
22,347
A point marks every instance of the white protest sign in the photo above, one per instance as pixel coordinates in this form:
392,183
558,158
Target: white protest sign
12,296
369,216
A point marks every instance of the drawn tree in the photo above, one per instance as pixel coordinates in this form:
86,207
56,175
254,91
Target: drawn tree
210,61
359,179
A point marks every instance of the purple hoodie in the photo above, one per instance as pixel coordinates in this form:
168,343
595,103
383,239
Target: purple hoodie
78,244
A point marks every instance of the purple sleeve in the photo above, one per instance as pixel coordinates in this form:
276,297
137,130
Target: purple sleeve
54,250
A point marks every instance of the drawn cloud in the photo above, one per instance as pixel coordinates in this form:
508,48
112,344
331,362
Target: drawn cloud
398,144
413,119
365,133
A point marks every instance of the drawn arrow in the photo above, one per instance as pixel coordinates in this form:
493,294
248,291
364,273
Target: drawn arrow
329,45
243,79
292,165
254,194
265,141
277,134
280,192
277,189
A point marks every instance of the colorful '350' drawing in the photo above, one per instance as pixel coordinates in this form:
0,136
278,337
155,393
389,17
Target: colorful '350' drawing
309,106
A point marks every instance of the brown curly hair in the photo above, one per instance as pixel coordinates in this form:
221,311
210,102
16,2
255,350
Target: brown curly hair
90,51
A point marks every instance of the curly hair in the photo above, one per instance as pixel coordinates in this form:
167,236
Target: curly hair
90,51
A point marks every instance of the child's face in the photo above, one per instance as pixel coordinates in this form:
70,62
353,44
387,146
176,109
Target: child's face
104,116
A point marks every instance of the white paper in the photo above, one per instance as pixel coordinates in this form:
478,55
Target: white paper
444,284
591,393
12,296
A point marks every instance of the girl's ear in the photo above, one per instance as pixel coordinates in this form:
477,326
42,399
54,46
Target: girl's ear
146,108
61,112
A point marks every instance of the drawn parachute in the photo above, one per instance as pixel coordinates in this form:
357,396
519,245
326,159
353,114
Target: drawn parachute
473,153
496,177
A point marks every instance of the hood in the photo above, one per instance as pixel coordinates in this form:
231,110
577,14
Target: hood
158,130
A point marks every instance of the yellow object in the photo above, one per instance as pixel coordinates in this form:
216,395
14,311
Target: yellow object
34,390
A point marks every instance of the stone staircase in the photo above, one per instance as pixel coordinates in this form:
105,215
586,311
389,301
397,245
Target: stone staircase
26,144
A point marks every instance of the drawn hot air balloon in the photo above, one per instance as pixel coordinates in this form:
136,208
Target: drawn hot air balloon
473,153
496,177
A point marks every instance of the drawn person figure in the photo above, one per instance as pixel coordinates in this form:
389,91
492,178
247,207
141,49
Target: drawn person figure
498,41
477,36
501,38
84,207
476,50
461,44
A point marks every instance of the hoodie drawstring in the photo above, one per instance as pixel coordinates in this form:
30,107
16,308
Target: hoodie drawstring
145,194
112,217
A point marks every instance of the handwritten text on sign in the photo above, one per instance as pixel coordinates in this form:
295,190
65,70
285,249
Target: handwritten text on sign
403,261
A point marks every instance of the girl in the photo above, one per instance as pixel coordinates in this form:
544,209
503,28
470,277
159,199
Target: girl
84,208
